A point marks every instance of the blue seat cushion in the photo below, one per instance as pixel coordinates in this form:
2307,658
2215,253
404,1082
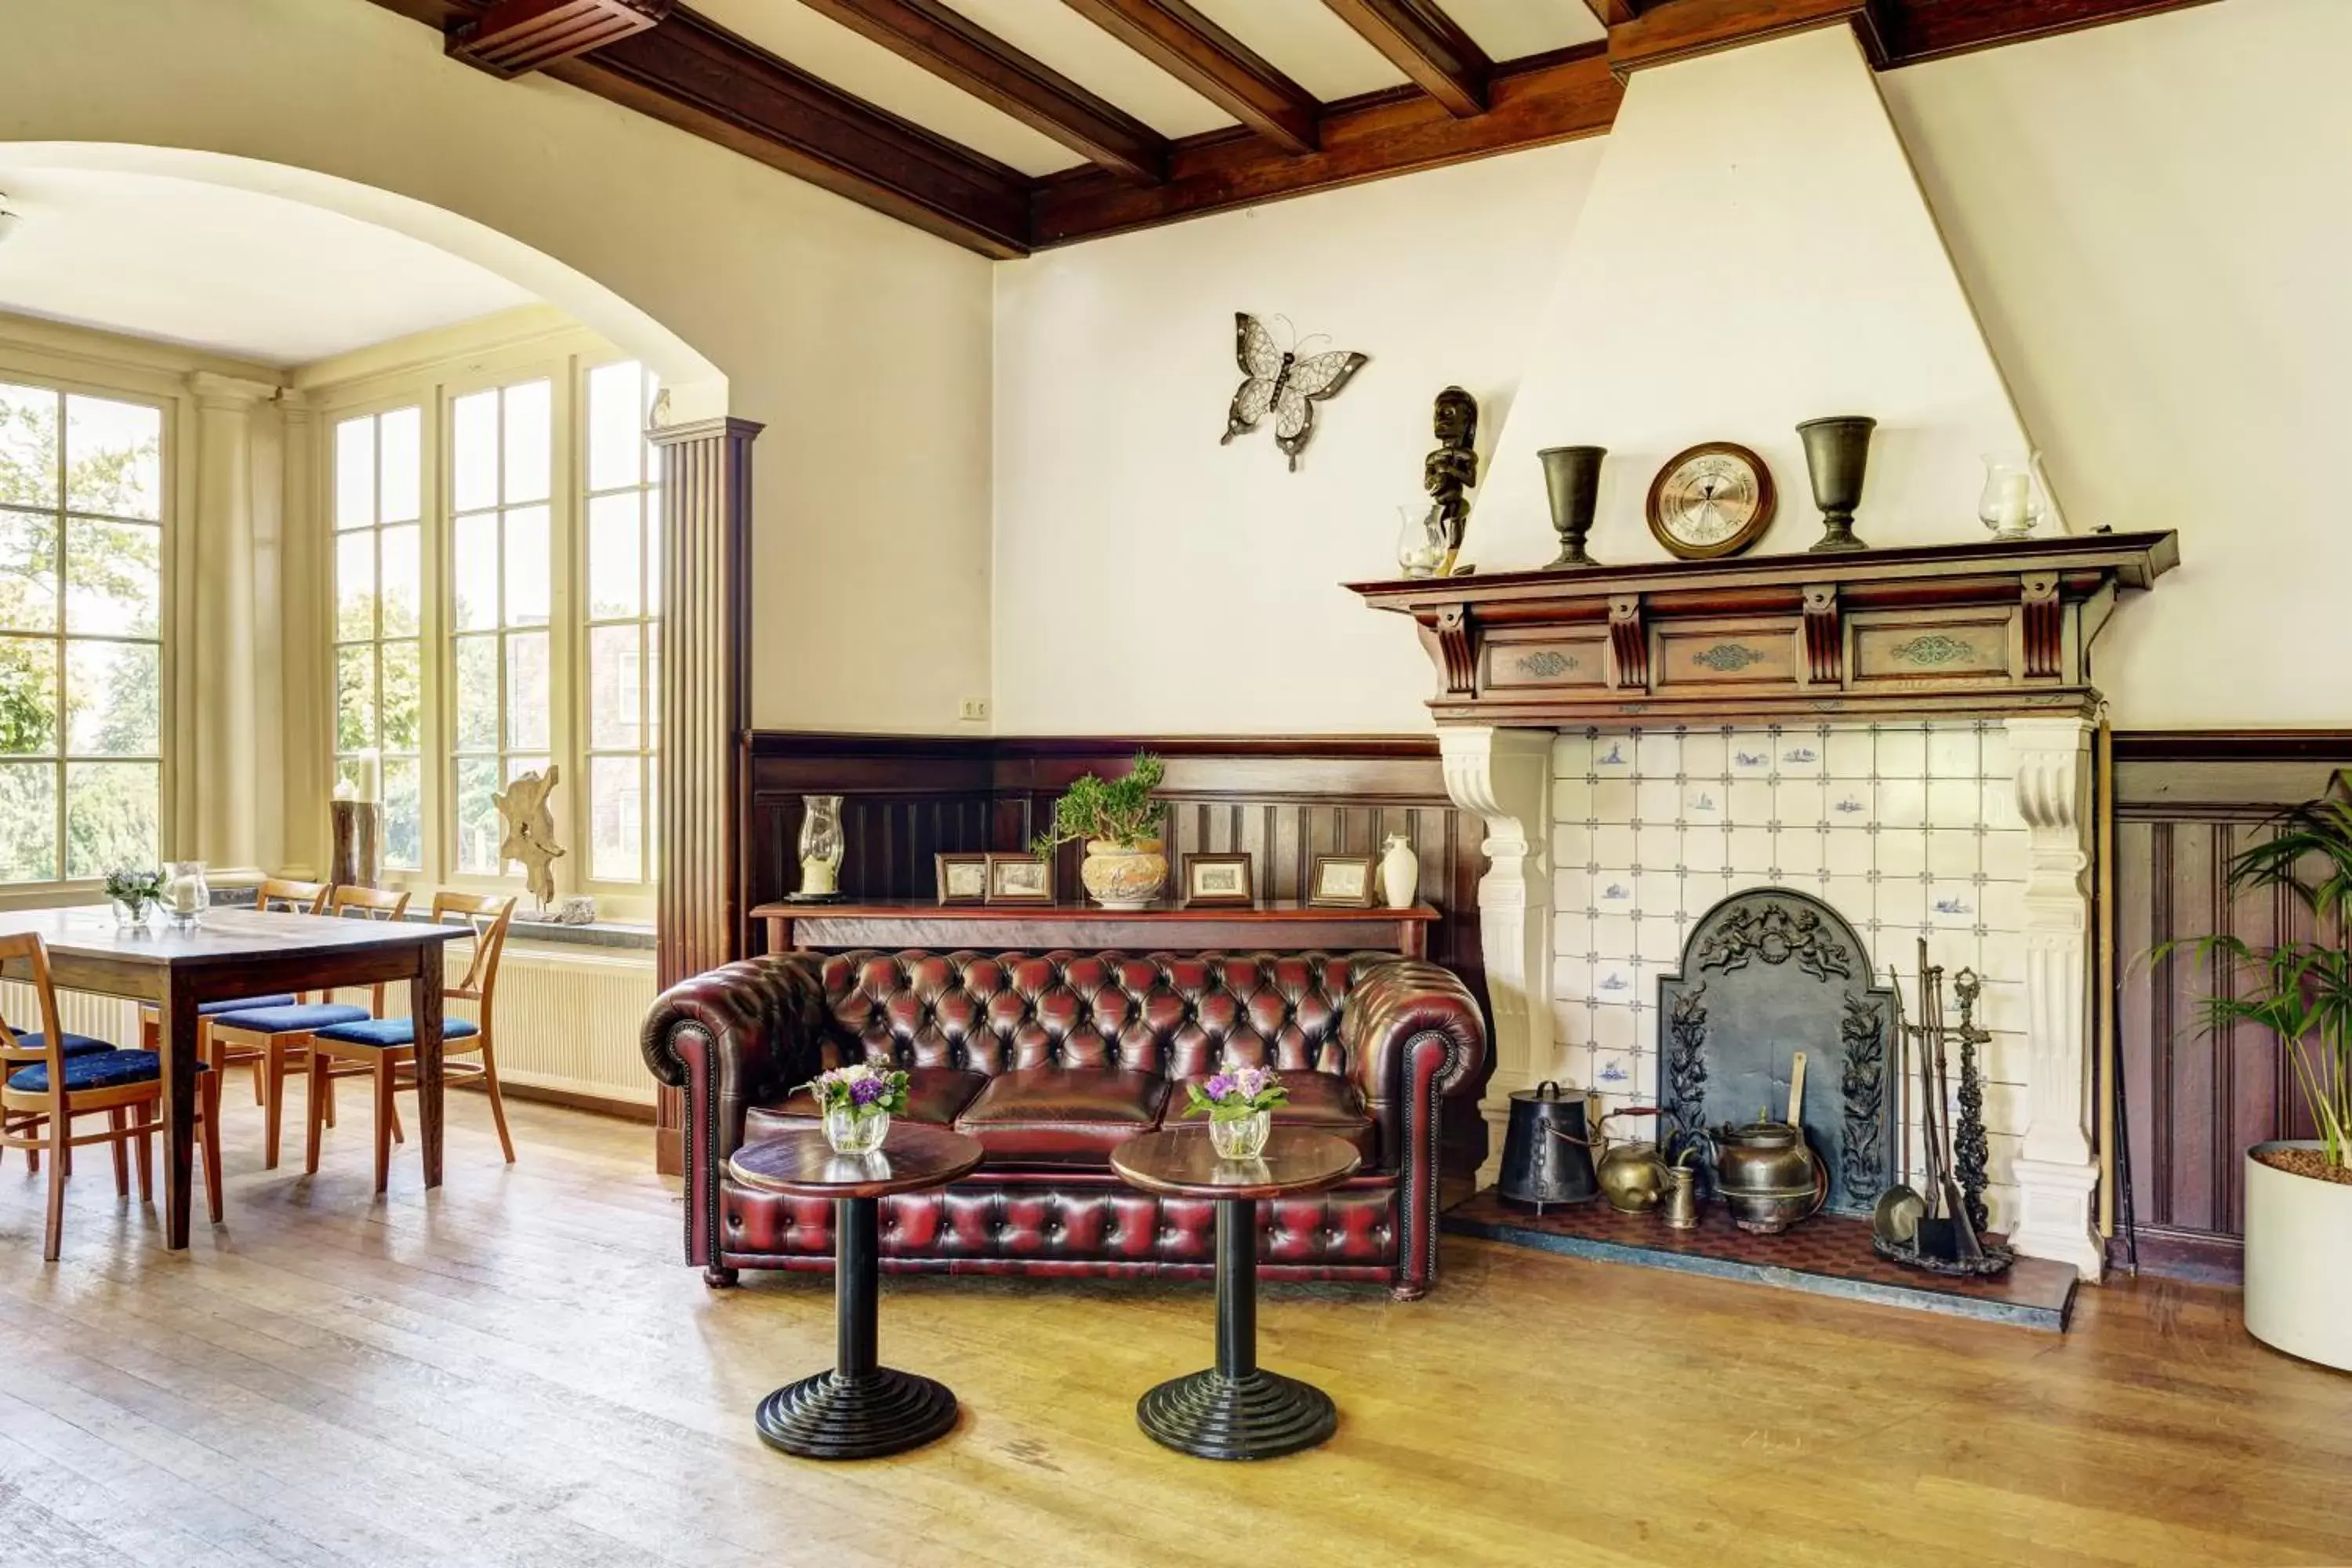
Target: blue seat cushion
291,1019
72,1046
243,1005
99,1069
387,1034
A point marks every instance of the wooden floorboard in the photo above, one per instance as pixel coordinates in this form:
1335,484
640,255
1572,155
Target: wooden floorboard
517,1369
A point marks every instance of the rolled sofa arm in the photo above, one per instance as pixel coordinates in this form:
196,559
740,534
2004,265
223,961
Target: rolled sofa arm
1414,1037
732,1037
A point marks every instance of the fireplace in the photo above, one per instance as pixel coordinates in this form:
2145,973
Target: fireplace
1856,766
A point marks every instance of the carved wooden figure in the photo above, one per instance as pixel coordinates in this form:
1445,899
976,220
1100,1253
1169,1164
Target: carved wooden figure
1453,467
531,831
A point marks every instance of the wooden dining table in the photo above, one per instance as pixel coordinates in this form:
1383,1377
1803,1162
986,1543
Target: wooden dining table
232,954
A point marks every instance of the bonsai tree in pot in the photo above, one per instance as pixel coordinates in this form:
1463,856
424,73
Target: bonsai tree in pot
2298,1190
1127,861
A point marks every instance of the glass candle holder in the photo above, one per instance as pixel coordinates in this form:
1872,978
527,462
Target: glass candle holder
1421,540
2013,502
186,894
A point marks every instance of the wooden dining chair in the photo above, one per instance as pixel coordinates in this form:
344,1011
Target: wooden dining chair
47,1083
385,1049
277,1035
274,893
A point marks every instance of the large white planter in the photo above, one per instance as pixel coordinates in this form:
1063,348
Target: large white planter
2298,1261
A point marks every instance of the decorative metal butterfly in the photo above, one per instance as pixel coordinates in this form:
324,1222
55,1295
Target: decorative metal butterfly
1280,380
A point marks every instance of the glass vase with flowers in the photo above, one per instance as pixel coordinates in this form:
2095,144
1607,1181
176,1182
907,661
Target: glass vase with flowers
858,1102
1239,1103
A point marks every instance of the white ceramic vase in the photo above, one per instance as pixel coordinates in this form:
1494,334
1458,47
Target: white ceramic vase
2298,1269
1400,872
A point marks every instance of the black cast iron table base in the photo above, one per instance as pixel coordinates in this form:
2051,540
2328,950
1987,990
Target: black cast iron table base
859,1410
1236,1411
830,1416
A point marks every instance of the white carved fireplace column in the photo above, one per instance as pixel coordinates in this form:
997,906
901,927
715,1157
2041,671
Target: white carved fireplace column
2058,1172
1505,776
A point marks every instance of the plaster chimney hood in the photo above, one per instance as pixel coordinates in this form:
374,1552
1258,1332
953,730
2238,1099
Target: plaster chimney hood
1986,630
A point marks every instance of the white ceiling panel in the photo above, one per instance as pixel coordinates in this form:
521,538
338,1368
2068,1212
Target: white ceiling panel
1507,29
1302,39
863,68
1095,60
238,272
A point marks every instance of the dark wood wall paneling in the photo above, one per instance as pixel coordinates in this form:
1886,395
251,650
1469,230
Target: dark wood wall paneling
1283,802
2186,801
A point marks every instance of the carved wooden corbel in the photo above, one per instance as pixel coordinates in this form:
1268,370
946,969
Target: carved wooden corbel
2045,625
1824,635
1448,634
1629,642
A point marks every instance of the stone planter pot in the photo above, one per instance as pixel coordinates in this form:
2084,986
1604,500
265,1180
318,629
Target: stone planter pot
2298,1261
1125,877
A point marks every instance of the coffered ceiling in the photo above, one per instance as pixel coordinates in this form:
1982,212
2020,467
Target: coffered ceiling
1007,125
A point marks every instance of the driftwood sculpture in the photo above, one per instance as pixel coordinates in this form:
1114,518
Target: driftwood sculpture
531,831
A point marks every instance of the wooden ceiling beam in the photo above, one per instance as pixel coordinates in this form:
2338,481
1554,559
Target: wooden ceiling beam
1531,102
1685,29
518,36
1421,41
1213,63
1614,12
1919,30
953,47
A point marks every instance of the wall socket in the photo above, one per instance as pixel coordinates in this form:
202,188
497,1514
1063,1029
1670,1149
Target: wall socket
974,709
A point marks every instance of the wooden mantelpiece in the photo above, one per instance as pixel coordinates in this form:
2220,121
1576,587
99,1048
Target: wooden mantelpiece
1971,630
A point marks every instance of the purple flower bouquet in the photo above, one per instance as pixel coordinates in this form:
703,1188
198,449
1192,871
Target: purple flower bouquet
858,1102
1239,1103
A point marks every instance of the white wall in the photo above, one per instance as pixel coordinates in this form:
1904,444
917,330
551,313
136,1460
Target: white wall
1149,580
2151,218
862,344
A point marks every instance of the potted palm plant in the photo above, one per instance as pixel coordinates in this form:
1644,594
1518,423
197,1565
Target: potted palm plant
1127,861
2298,1190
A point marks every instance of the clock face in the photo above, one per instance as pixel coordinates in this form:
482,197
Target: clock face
1711,500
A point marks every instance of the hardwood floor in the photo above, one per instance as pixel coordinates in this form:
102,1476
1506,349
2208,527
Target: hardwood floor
519,1370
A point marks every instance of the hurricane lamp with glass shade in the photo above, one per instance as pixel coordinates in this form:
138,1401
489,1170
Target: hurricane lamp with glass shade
186,892
2013,502
821,847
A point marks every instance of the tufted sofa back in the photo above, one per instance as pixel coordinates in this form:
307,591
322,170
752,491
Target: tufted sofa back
1174,1014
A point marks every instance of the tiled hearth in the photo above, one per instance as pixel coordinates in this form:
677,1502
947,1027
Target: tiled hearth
1908,830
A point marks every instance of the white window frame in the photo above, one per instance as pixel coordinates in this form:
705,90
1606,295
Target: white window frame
27,364
564,360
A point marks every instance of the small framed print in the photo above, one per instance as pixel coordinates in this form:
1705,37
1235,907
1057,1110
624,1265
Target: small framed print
962,878
1020,880
1341,882
1217,880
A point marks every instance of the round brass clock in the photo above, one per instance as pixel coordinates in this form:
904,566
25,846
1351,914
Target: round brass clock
1714,499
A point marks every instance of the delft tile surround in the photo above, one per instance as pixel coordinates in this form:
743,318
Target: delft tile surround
1907,830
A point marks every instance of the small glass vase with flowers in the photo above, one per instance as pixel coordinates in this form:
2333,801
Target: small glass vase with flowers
1239,1103
858,1101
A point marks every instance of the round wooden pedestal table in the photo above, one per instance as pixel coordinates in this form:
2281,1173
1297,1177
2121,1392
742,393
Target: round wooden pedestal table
1236,1410
860,1409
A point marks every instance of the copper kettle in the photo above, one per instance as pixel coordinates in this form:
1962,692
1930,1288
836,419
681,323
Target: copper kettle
1632,1173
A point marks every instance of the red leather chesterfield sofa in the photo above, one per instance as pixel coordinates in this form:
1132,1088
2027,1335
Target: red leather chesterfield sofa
1050,1060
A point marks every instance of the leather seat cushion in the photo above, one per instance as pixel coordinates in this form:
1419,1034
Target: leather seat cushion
1063,1116
934,1096
1327,1101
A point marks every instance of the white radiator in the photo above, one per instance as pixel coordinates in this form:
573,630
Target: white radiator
568,1015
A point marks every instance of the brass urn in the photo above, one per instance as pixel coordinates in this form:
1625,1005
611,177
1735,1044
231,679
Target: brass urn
1768,1176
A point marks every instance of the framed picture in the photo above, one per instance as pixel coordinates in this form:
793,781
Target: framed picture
1211,879
1341,882
962,878
1020,880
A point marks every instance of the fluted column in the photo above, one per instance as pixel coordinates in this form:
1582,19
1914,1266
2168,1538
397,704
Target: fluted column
2057,1171
706,687
218,805
1505,776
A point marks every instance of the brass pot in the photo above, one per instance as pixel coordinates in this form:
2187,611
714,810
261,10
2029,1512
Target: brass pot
1768,1176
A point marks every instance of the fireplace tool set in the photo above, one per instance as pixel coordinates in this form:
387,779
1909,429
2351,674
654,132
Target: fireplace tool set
1942,1229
